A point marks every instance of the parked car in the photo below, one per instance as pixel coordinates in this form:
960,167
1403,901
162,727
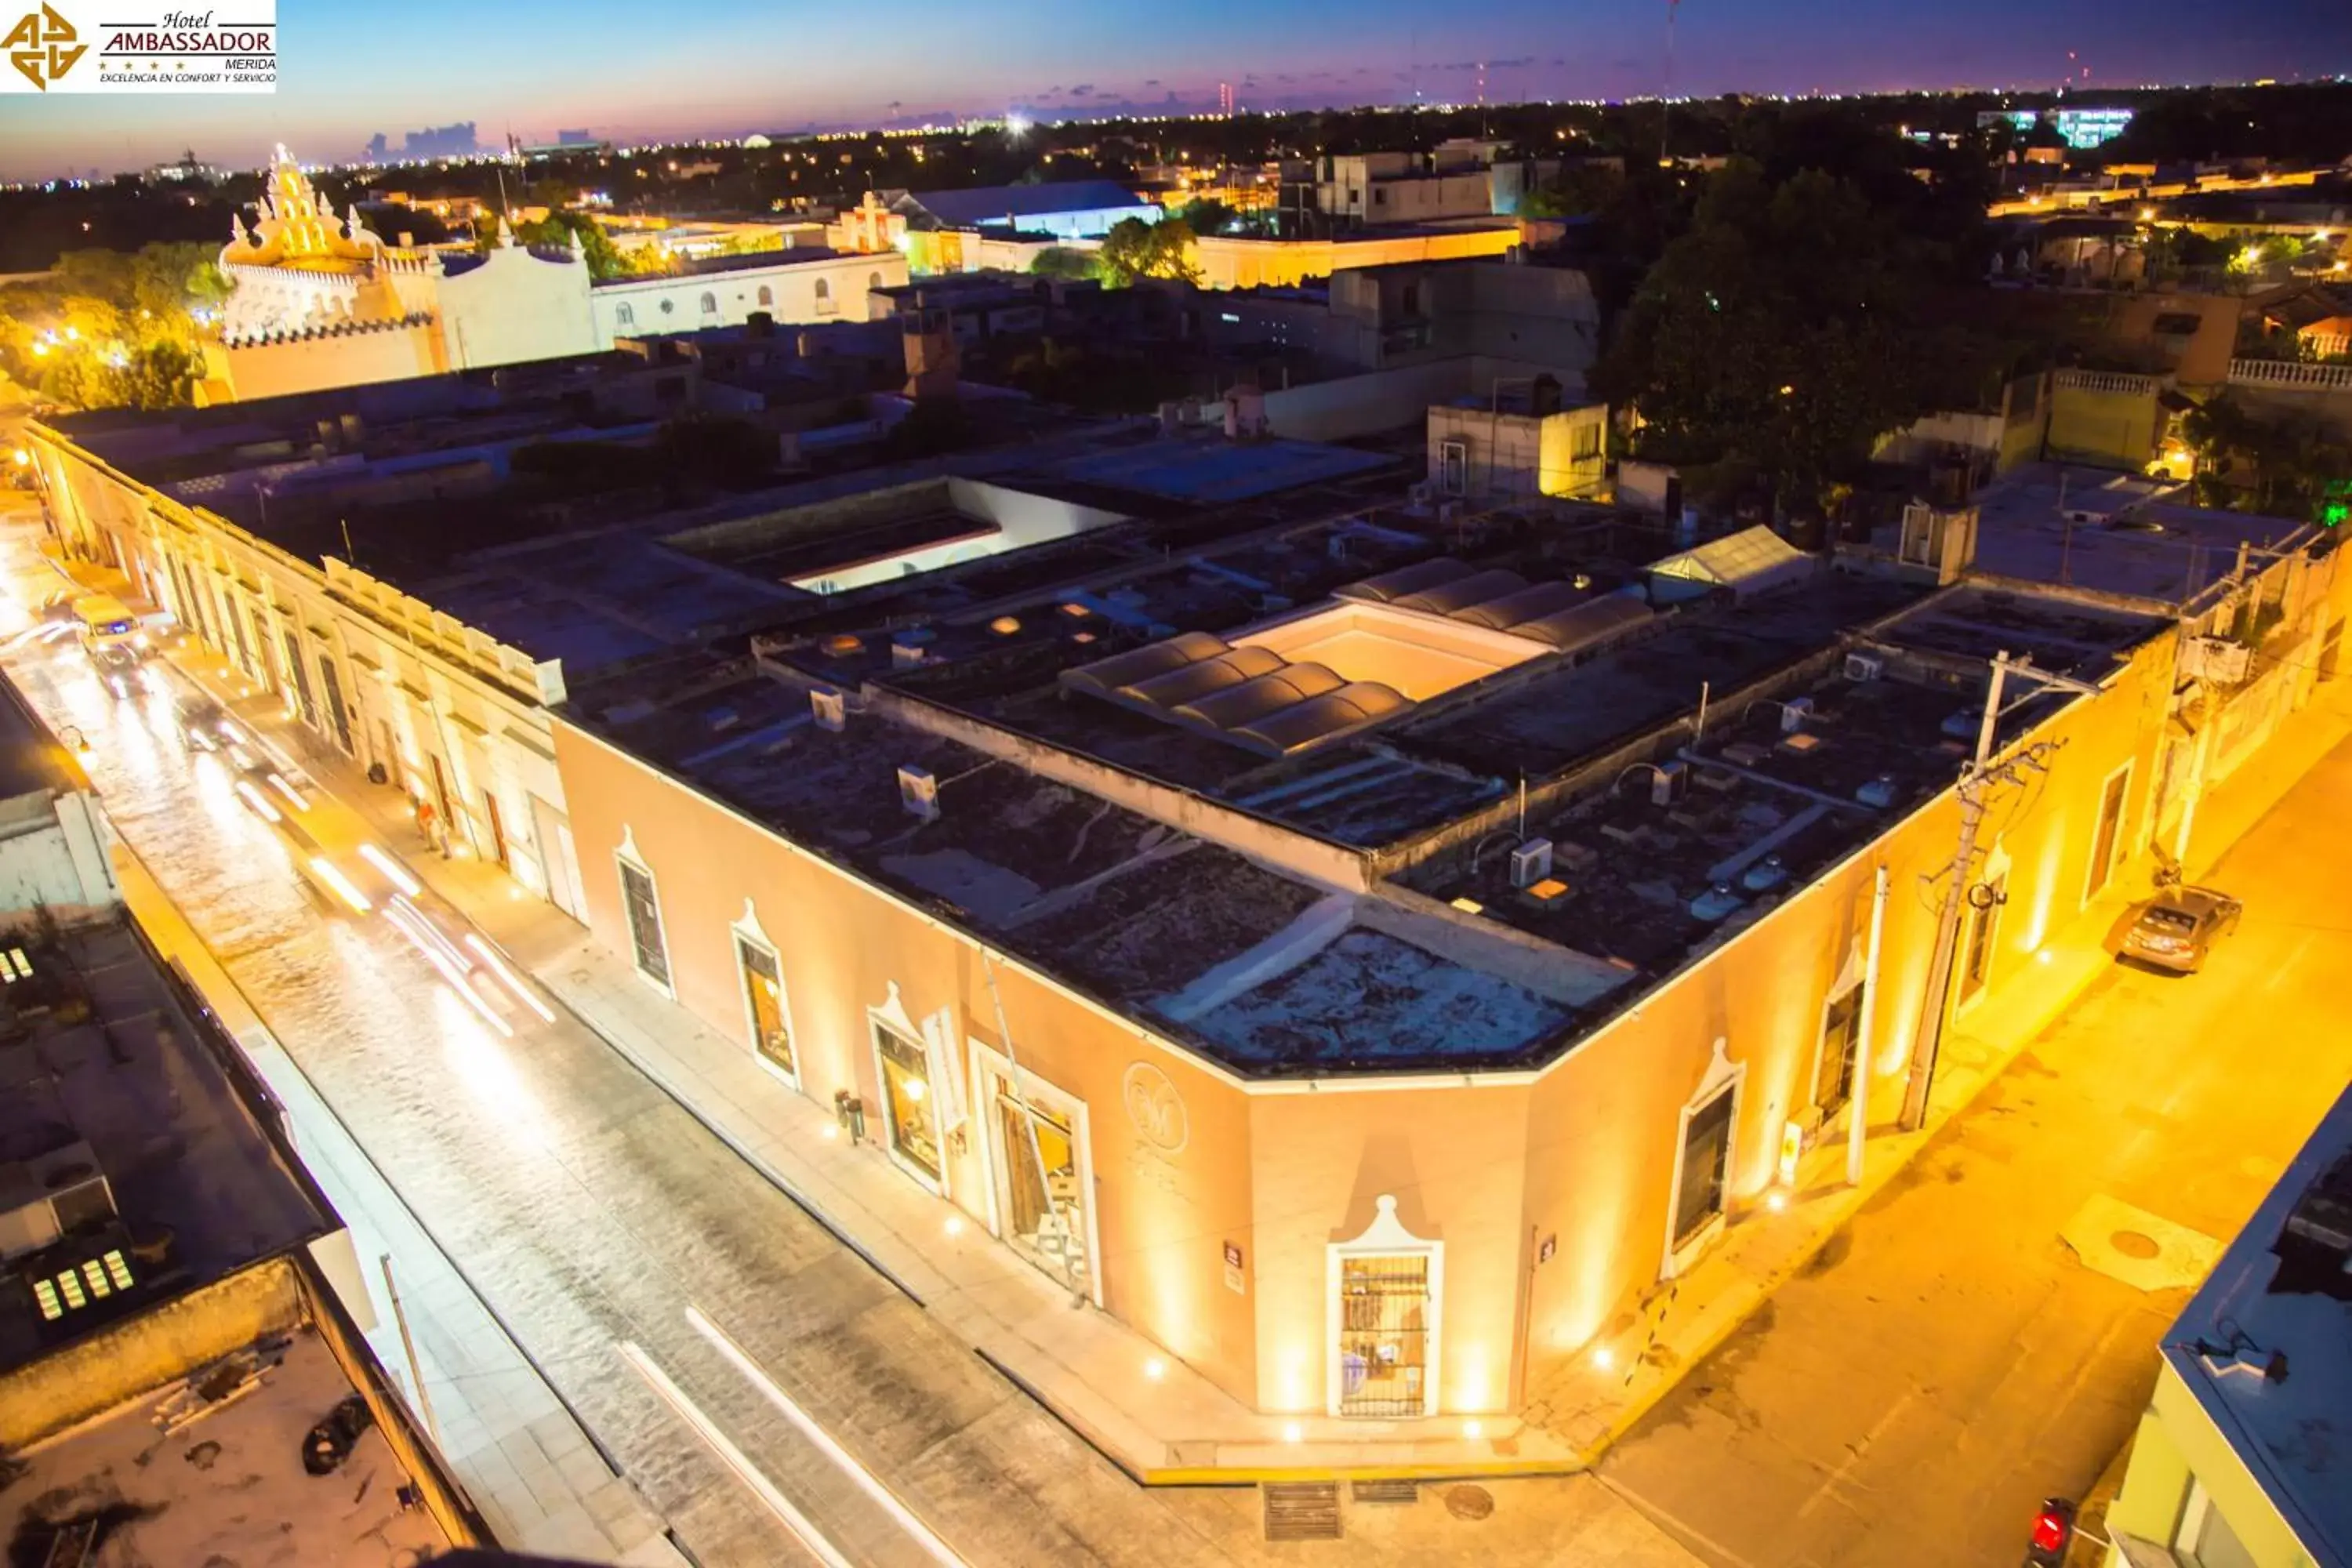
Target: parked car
2178,928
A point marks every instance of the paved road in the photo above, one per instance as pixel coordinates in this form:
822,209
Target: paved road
1949,1360
591,1213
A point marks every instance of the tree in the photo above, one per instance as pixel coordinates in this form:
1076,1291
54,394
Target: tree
1063,261
1134,249
1782,332
2280,464
556,231
1208,215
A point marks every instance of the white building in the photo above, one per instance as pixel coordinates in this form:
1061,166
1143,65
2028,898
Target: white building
790,285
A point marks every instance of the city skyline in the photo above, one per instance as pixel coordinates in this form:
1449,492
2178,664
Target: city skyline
530,69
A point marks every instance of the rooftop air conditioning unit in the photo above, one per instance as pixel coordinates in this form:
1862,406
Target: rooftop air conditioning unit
1795,713
1531,862
919,791
1864,667
1668,783
830,707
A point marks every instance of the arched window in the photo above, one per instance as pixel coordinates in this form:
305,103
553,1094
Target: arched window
823,289
625,316
709,304
874,280
767,296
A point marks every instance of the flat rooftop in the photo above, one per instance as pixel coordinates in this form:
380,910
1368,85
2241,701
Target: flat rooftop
1648,873
1256,968
229,1487
2142,539
105,1063
2278,1290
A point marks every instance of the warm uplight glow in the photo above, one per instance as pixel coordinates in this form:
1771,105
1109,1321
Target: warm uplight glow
1604,1358
1292,1432
393,871
2046,956
327,871
1776,1200
831,1132
2146,215
1155,1369
916,1088
955,1225
1472,1430
260,802
507,977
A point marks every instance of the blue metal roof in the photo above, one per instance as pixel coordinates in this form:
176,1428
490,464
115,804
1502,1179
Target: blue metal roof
984,205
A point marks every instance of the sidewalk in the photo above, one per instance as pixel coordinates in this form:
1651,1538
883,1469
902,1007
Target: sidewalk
528,1465
1148,1413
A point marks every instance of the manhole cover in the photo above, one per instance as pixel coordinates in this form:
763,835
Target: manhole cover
1469,1502
2131,1244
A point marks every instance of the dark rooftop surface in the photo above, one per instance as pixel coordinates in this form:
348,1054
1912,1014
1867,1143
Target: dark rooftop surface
100,1047
1770,800
1125,910
2141,539
1546,722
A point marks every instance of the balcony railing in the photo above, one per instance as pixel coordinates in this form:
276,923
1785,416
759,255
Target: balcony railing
2291,373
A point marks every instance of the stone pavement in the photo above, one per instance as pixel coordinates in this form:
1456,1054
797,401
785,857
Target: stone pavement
537,1476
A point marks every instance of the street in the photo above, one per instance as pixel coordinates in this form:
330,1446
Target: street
1948,1360
632,1253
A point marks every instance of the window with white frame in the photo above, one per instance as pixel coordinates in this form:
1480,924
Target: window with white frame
710,303
824,297
642,904
1453,467
767,297
625,315
1386,1291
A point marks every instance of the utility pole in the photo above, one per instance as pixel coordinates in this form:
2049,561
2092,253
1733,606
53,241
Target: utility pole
1936,1006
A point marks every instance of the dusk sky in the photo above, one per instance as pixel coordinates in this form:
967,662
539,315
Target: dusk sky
629,71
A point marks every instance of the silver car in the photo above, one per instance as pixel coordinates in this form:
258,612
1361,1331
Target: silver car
2178,929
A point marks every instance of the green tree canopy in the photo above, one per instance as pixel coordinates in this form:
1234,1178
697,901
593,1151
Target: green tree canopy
1782,332
1134,249
1063,261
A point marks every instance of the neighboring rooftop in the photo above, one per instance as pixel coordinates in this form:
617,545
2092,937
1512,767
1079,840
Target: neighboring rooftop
2116,533
107,1068
2280,1301
31,760
231,1488
984,206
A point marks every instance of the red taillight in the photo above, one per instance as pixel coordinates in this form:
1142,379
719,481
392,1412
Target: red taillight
2052,1528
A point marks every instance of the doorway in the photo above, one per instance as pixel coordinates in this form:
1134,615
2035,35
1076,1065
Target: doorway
332,686
497,829
1704,1167
1038,1152
1385,1292
558,859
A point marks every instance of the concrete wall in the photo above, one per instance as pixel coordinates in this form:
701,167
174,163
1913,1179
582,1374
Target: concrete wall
517,305
2111,421
95,1373
352,357
1562,454
1229,262
1352,406
787,291
1168,1141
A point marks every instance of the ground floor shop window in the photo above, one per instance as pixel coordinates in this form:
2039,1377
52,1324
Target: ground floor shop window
1385,1296
763,1000
910,1107
1039,1147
